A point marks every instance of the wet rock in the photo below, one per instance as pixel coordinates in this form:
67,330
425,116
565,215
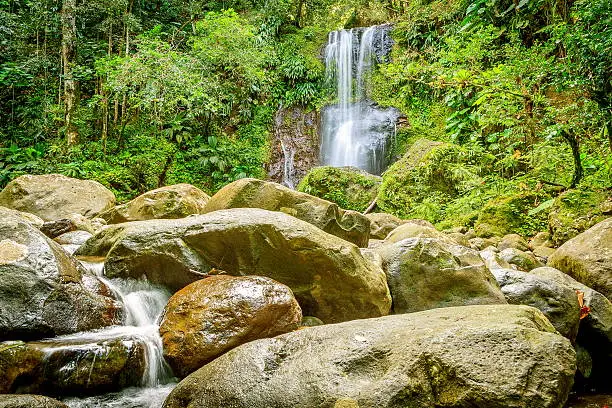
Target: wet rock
212,316
424,273
475,356
588,258
321,269
349,187
29,401
53,196
72,365
252,193
558,302
513,241
175,201
381,224
417,229
525,261
42,289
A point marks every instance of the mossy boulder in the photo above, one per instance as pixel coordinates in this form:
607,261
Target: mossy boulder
175,201
252,193
381,224
349,187
425,174
473,356
512,214
328,275
575,211
29,401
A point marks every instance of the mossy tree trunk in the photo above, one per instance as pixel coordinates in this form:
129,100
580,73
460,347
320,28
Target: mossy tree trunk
570,138
71,86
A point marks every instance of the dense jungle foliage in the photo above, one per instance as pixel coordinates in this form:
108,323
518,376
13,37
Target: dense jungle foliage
139,94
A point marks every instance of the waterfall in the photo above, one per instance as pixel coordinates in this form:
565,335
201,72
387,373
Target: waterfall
356,132
143,304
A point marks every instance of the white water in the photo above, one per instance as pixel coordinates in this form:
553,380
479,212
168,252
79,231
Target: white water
355,132
143,304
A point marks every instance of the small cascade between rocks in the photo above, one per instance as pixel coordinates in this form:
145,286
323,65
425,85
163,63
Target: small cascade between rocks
143,304
355,131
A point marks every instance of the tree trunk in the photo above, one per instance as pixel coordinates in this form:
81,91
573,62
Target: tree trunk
570,138
71,86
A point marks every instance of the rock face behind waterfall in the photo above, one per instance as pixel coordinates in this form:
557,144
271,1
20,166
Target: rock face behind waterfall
43,291
213,315
329,276
53,196
295,145
244,193
475,356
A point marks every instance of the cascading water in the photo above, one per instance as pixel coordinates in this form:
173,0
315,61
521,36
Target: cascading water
143,304
356,132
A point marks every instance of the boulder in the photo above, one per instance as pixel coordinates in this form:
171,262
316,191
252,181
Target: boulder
56,228
329,277
44,291
176,201
558,302
29,401
381,224
73,238
525,261
540,239
424,273
474,356
492,259
588,258
251,193
54,196
73,365
32,219
349,187
212,316
513,241
595,332
417,229
482,243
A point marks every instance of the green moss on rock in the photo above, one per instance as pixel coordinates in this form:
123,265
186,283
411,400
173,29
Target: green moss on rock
422,182
575,211
512,214
349,187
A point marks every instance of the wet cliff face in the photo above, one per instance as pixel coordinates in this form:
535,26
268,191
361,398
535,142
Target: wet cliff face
295,145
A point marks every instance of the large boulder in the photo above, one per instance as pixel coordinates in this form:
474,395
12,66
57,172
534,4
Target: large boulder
595,332
417,229
74,365
176,201
424,273
349,187
29,401
329,277
43,291
211,316
588,258
476,356
253,193
558,302
524,261
381,224
54,196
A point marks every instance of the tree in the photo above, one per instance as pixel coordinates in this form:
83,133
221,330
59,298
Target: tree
69,54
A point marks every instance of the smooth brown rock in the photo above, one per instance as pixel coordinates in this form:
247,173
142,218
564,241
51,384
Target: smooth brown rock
211,316
381,224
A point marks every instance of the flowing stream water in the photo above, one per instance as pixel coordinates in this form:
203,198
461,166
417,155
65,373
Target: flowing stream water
355,131
143,304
